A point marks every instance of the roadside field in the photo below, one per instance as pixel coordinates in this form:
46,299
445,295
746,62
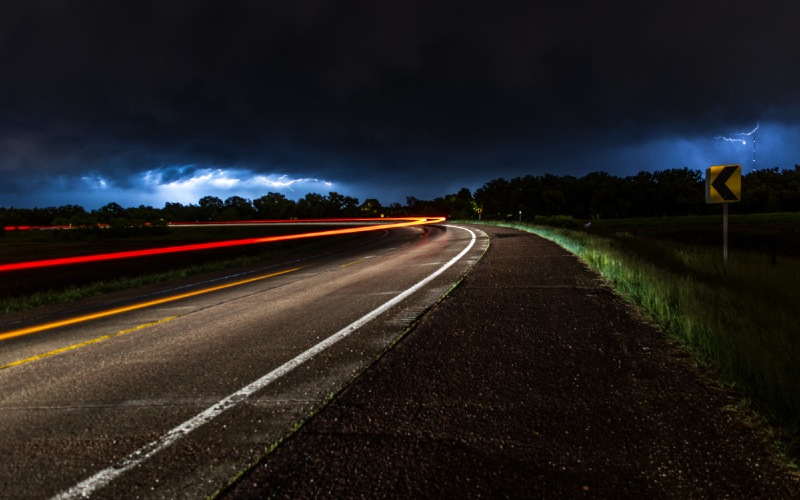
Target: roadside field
21,290
18,246
740,321
774,234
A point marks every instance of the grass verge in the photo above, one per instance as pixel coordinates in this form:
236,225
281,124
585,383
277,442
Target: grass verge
742,323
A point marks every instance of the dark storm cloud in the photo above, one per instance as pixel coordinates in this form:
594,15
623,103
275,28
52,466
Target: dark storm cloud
377,90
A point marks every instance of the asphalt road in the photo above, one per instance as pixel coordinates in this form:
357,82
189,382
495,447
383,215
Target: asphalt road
532,379
175,398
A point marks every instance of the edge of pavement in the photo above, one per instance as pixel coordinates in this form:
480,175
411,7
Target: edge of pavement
531,377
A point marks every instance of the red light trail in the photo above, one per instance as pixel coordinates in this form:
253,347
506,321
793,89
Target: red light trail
63,261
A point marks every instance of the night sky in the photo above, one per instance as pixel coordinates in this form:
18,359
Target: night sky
143,102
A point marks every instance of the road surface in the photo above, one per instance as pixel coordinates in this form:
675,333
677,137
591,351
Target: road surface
173,393
532,379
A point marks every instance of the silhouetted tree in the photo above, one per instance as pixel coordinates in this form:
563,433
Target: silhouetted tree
112,214
771,190
396,210
210,207
668,192
679,191
497,198
274,206
600,194
639,195
144,215
312,206
370,208
341,206
73,214
459,205
12,217
178,212
237,208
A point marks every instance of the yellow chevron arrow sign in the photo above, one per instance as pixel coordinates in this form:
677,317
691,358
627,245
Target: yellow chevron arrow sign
724,184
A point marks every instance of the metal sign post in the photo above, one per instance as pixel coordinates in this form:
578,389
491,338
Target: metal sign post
725,235
724,185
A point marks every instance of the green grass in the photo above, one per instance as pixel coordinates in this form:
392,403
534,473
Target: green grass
742,323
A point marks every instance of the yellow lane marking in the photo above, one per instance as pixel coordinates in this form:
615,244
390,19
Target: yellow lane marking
354,262
133,307
88,342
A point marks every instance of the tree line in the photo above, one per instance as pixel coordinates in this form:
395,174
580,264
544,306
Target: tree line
671,192
596,195
207,209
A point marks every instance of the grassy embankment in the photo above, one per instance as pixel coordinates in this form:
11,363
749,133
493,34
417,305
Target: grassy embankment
742,323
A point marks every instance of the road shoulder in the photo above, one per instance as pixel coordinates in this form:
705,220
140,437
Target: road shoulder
531,378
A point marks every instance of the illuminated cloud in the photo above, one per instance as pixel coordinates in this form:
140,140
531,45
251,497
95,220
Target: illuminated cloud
195,183
389,99
95,182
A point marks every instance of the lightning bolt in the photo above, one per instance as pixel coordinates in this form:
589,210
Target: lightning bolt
738,137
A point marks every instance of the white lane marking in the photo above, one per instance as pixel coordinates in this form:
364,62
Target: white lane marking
105,476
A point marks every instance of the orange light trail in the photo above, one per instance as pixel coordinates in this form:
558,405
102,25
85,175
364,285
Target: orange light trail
63,261
134,307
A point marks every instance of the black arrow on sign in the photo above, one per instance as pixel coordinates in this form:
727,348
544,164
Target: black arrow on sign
720,183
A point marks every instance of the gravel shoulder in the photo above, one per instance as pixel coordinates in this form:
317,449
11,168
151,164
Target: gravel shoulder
532,378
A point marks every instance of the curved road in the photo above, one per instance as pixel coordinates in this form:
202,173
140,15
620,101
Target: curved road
531,380
176,392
